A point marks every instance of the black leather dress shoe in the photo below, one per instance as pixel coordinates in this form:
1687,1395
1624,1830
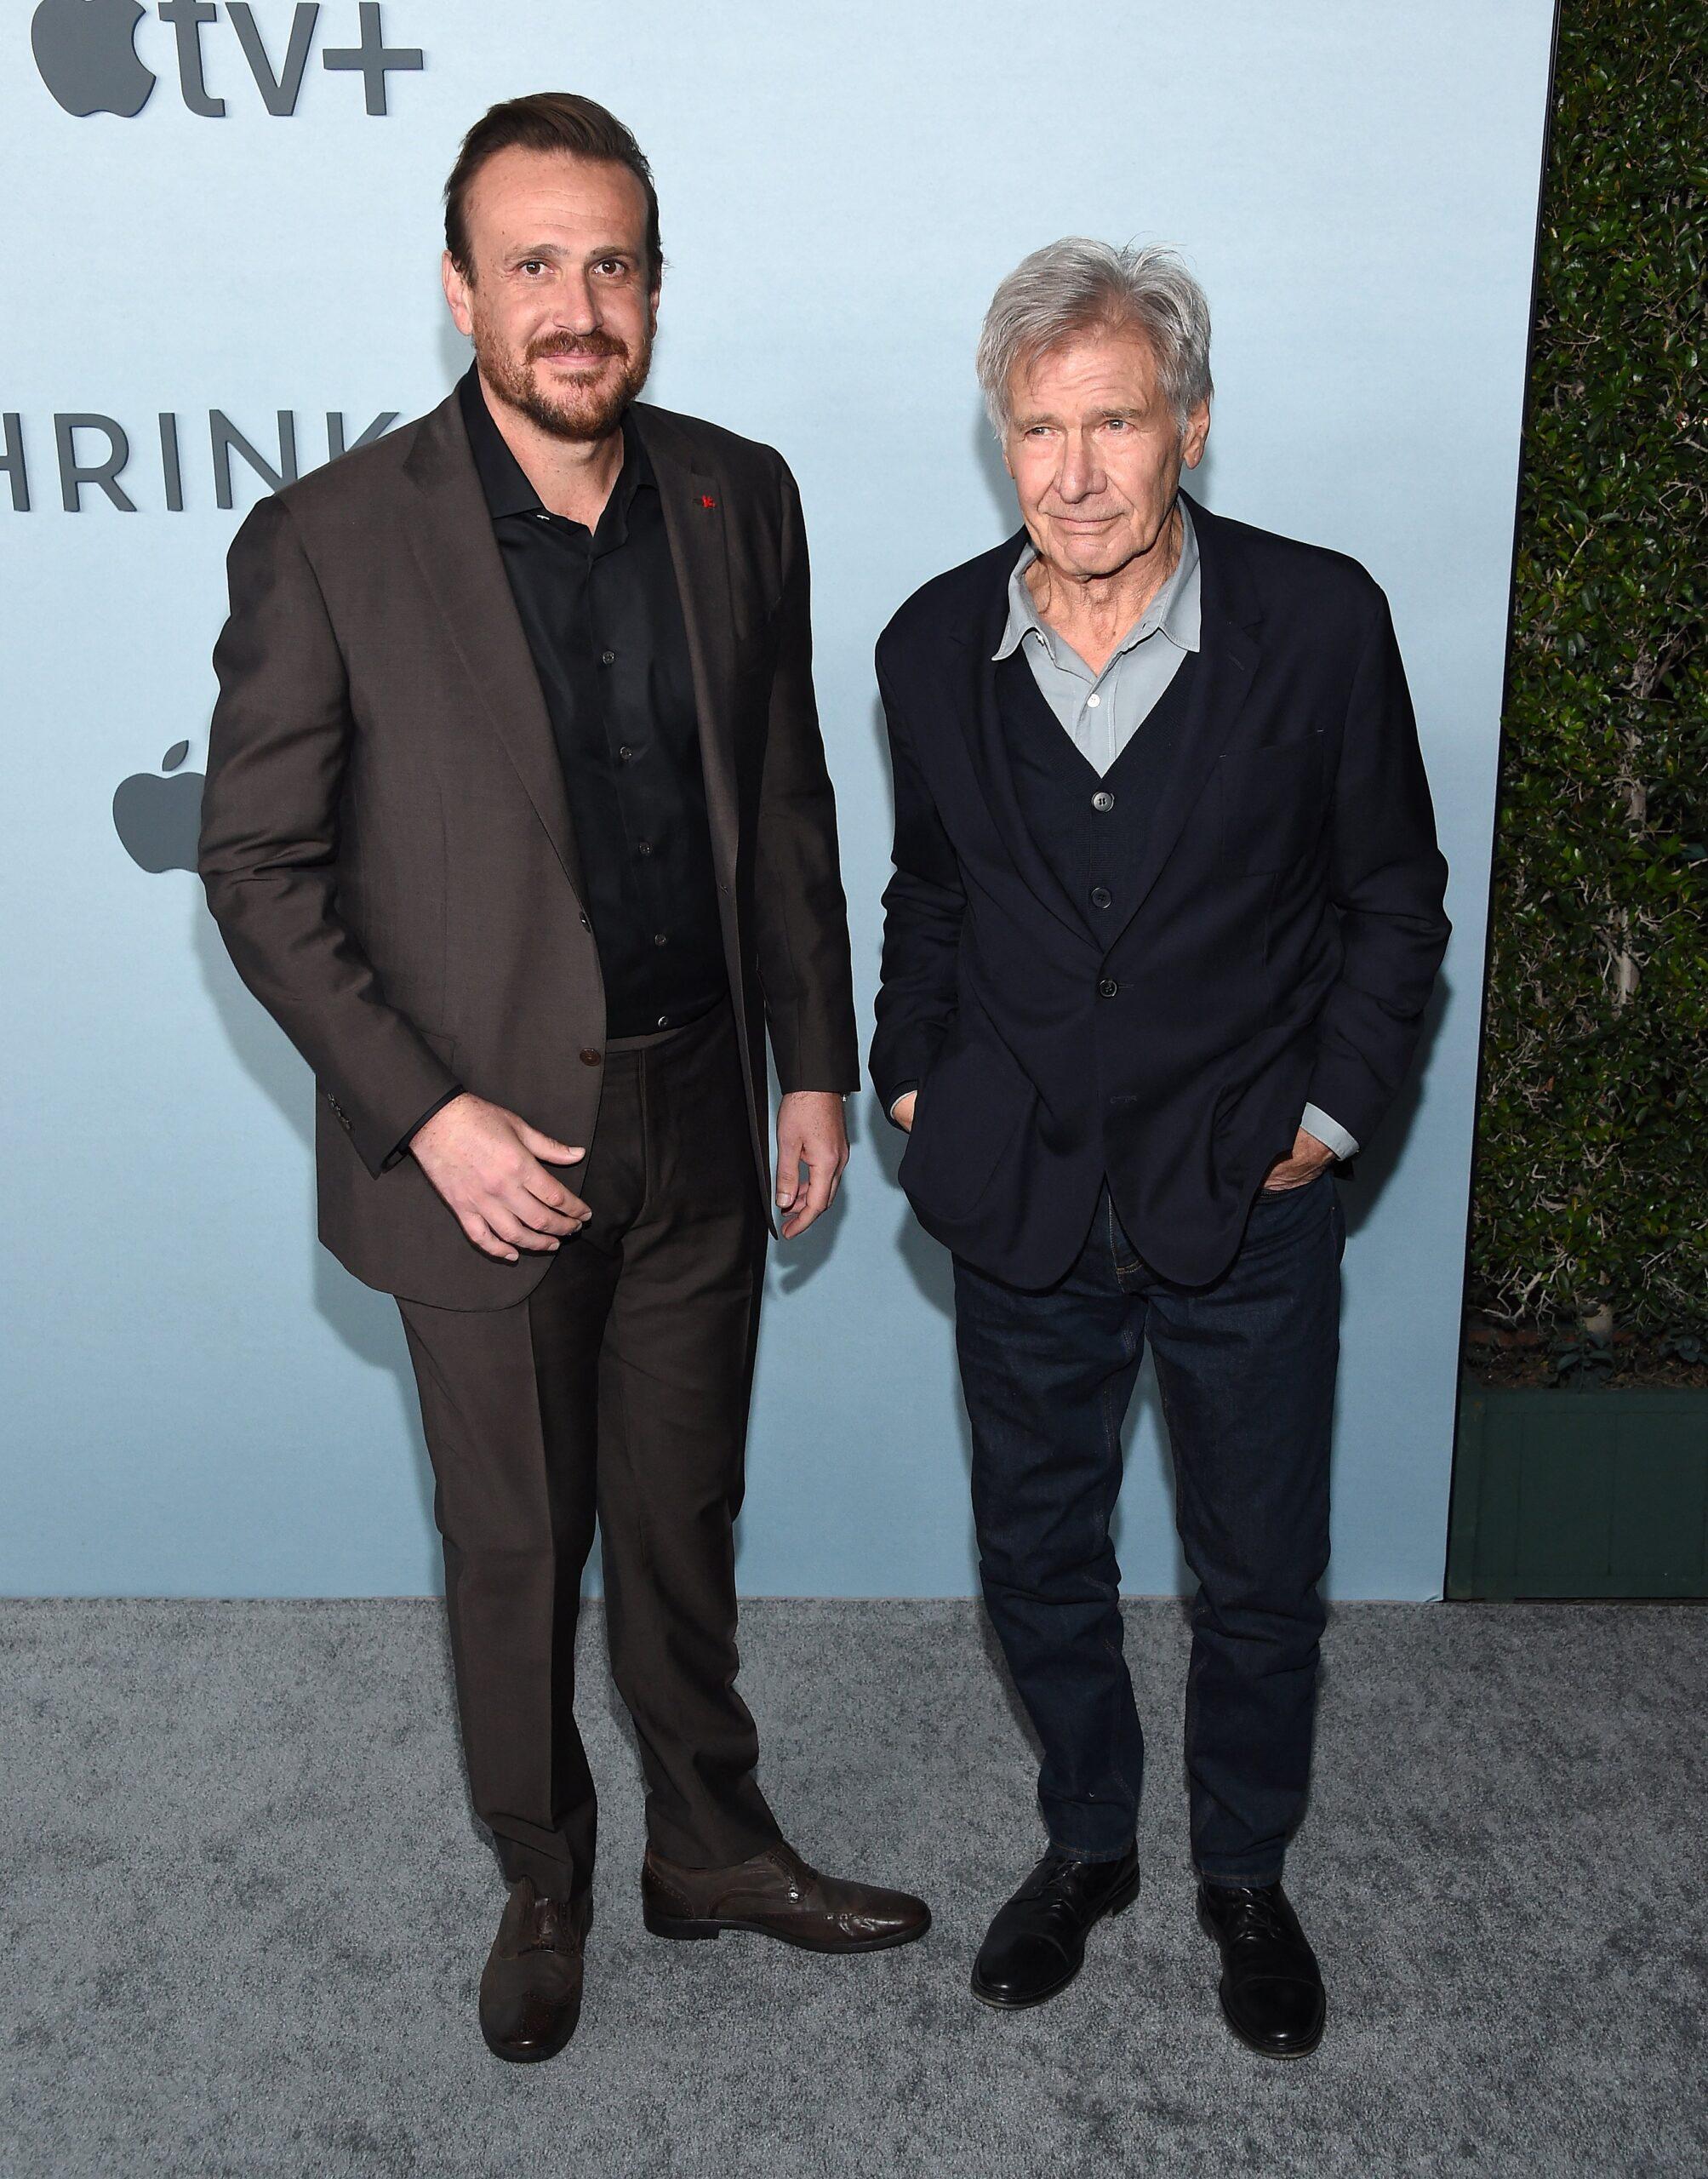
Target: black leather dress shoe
1036,1943
1271,1987
530,1991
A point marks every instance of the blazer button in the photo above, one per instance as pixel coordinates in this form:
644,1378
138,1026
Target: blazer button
586,924
1103,799
1100,896
1108,986
590,1058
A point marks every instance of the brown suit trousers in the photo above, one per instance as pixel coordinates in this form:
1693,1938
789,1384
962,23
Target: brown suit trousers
618,1389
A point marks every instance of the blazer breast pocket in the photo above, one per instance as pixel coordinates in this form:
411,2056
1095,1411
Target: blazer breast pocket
1271,805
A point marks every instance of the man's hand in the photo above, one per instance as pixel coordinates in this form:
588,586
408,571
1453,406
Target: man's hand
902,1112
810,1132
1309,1158
485,1161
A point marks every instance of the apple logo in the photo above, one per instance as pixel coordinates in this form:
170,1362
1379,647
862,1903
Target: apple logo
86,54
159,820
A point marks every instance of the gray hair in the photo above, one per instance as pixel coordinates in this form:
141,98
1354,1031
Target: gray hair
1072,286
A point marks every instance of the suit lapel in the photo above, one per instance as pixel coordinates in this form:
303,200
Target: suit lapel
693,516
1227,660
982,707
451,535
996,774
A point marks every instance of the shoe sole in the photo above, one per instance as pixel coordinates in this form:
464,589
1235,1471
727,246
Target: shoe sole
662,1926
1118,1904
1258,2050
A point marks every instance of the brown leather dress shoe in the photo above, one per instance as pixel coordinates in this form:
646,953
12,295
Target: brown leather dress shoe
778,1895
530,1991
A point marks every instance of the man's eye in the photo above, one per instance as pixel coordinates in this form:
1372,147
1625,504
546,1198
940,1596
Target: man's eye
613,266
1115,423
533,265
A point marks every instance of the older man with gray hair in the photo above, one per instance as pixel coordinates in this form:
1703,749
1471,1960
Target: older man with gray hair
1166,913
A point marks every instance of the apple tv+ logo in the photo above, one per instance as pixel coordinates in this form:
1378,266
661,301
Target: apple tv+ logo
86,54
158,816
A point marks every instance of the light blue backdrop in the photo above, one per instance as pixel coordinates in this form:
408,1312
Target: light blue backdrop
199,1400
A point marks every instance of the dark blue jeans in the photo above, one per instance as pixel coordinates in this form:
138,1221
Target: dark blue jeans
1246,1368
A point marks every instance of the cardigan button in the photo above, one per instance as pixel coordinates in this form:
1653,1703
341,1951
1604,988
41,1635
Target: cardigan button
590,1058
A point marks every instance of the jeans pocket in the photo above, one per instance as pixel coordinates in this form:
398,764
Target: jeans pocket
1301,1187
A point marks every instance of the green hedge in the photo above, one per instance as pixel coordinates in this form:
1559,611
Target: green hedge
1592,1187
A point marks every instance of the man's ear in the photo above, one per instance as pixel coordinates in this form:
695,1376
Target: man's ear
456,289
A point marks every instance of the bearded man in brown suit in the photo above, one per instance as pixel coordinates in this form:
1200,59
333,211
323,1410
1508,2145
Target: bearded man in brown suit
518,821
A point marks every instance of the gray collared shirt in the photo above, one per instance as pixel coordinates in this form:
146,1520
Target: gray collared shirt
1101,713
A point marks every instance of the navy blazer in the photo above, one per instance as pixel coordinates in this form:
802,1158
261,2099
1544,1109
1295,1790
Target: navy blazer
1285,931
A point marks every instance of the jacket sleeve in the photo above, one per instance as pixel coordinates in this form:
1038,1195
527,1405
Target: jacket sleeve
278,748
1387,879
924,904
800,916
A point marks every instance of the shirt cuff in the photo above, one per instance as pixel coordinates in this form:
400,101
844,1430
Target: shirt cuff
397,1156
1328,1132
906,1090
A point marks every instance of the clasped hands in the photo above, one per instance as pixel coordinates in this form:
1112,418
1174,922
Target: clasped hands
491,1168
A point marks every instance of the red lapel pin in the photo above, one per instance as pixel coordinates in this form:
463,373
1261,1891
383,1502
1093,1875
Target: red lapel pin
706,500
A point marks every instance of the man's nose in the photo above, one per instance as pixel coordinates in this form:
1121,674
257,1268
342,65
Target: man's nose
578,310
1081,474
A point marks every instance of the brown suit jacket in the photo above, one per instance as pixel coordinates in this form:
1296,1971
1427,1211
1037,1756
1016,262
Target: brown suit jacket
386,838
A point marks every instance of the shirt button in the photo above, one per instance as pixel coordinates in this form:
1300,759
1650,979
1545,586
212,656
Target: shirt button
607,658
664,1020
1092,702
590,1058
624,752
659,939
1100,896
1103,799
586,924
1108,986
644,846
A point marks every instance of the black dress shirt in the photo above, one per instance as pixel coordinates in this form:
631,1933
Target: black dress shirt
603,621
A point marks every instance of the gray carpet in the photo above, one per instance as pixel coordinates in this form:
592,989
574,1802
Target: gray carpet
246,1908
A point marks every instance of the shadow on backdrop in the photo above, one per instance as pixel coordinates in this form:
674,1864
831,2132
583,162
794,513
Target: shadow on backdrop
364,1321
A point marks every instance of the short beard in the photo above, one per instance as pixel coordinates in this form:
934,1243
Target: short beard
572,414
